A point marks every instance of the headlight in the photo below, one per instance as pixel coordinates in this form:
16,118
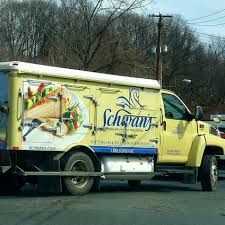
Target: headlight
222,135
214,131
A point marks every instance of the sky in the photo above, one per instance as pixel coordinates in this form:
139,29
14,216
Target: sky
192,9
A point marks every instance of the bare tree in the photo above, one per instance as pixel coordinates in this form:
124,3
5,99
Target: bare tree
24,28
112,36
88,25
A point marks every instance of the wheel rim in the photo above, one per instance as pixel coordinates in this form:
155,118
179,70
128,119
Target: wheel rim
214,173
80,166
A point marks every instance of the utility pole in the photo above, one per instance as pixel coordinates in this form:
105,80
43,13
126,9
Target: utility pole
158,74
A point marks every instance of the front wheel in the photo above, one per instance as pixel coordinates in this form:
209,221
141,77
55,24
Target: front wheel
79,185
209,173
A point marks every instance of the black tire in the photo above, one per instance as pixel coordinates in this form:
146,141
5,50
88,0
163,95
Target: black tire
209,173
79,185
134,183
96,185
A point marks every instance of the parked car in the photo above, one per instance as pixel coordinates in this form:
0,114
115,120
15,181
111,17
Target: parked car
218,122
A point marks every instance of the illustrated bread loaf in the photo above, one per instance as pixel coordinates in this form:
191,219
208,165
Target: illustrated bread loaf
48,107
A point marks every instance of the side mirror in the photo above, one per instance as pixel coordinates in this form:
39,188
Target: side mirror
190,117
199,113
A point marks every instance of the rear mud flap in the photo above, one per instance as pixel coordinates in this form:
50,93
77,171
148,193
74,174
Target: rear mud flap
5,161
50,184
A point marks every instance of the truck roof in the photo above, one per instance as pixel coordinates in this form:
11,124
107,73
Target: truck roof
30,68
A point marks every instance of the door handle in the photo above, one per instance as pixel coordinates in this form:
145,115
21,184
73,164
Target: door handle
76,87
109,90
89,126
164,125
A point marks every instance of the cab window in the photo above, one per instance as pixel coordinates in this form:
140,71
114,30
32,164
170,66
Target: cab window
174,108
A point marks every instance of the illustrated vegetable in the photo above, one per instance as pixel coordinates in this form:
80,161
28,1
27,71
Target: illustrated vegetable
28,104
30,92
41,87
46,90
34,100
38,97
66,114
76,125
74,118
72,128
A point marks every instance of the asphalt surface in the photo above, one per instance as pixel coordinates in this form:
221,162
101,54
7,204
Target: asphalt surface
154,203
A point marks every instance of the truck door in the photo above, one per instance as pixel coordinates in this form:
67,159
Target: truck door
108,121
55,115
177,130
125,119
142,127
75,119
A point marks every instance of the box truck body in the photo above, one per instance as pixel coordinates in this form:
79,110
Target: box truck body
76,127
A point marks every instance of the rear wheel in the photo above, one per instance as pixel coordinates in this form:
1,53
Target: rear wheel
209,173
79,185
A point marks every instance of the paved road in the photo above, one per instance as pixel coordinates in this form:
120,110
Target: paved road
154,203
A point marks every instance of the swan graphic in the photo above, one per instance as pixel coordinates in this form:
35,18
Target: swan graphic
133,102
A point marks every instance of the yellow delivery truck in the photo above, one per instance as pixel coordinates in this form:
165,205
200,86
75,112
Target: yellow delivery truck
70,128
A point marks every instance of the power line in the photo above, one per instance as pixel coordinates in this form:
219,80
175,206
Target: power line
208,25
210,35
207,21
205,43
198,18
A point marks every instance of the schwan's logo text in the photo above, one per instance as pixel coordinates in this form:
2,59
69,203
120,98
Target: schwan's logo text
124,117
